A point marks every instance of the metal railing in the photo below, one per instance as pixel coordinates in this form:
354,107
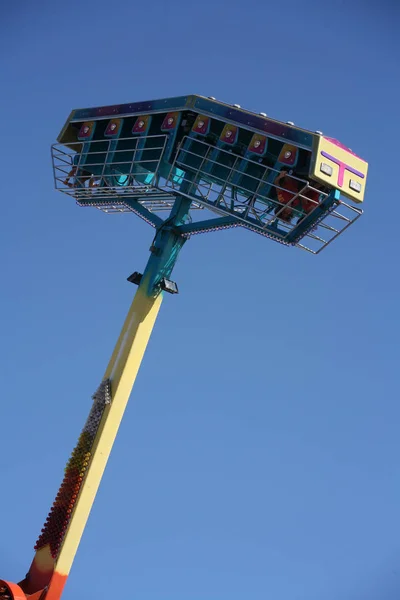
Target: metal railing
227,186
110,171
110,174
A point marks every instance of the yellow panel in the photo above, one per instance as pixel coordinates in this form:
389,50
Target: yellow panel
343,169
122,370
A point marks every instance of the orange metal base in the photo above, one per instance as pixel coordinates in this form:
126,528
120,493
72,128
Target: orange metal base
11,591
21,591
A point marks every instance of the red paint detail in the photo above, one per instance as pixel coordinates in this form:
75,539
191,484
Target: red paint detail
38,578
56,587
226,138
110,132
168,126
293,155
311,200
13,589
290,189
261,148
50,591
85,134
342,146
144,127
60,513
203,130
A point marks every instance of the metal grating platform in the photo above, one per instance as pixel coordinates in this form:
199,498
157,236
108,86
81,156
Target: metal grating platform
132,173
231,190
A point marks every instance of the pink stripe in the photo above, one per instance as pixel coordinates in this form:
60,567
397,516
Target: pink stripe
342,168
340,145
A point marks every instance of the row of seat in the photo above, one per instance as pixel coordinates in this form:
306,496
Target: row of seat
220,162
140,154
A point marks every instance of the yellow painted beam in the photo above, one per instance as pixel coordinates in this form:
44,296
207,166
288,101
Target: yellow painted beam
50,572
122,370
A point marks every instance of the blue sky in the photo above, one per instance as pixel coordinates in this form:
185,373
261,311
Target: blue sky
259,455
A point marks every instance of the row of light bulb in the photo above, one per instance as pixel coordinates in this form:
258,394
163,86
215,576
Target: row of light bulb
263,114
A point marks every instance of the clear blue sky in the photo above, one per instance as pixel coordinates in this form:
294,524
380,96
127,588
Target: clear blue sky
259,456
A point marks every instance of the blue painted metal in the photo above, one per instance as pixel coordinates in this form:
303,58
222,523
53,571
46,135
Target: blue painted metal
207,225
81,159
132,108
218,110
250,170
212,159
143,174
166,246
111,171
271,127
272,230
144,213
220,164
192,153
132,203
171,131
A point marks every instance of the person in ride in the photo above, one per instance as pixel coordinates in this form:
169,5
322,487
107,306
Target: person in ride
291,191
286,190
312,197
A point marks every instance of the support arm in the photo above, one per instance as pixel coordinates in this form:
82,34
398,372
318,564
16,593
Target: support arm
63,529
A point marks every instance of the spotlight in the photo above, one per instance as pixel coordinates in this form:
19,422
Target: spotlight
169,286
135,278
